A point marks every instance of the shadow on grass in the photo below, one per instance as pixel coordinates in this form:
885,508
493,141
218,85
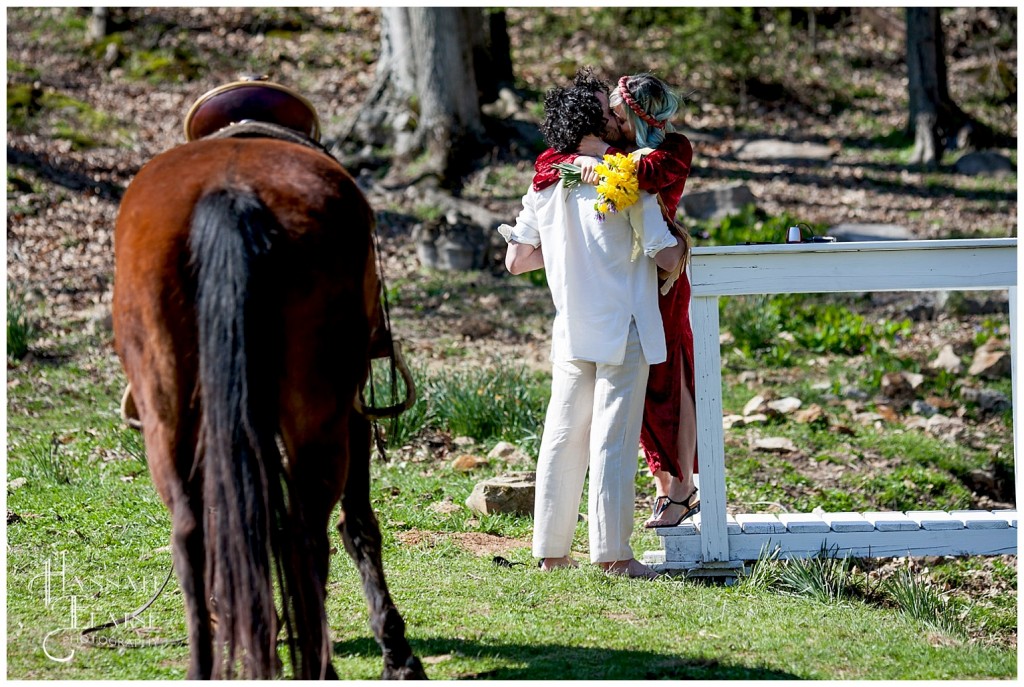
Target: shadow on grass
560,662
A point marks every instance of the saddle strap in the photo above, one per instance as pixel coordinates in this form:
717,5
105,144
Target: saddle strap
251,128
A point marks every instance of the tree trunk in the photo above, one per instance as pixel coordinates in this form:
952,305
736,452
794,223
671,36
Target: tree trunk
492,52
926,69
935,121
98,24
425,98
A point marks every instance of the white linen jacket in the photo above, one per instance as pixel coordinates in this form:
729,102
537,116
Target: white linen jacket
595,286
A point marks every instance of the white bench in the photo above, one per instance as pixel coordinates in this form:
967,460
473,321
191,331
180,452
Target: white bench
719,544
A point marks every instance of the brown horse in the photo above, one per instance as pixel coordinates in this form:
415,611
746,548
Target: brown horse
245,299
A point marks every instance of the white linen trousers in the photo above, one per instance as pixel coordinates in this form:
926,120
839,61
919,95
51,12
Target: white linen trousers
593,420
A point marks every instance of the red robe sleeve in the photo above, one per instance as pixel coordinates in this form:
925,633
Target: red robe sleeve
665,170
545,175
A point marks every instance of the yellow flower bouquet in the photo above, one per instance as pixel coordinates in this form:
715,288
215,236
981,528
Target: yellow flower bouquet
617,187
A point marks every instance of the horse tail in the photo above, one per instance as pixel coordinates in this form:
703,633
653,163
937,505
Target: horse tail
231,238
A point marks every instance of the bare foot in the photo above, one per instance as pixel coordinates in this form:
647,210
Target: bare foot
548,564
631,568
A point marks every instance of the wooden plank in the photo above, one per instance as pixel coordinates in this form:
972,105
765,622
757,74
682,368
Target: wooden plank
980,519
1014,386
683,529
731,526
1009,514
847,522
891,521
935,520
684,552
854,266
803,522
759,523
710,439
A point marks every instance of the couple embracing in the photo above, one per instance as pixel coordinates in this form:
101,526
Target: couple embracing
622,345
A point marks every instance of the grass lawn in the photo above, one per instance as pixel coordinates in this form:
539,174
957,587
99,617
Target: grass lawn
88,510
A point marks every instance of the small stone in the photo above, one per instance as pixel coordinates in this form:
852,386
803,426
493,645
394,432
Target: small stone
988,400
784,152
509,453
867,418
753,405
17,483
513,493
467,462
775,445
984,163
785,406
729,421
501,450
746,377
755,419
717,202
923,408
853,393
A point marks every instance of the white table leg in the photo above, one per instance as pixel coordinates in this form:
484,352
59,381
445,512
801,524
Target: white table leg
710,440
1014,395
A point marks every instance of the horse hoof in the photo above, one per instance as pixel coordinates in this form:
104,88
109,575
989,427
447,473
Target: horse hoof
412,670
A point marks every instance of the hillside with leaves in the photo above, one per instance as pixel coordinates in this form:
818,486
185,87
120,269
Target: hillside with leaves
84,117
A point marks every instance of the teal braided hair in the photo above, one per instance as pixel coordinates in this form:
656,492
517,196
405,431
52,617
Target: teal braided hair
656,99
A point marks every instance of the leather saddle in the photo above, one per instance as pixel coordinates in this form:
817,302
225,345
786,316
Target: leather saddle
251,99
255,107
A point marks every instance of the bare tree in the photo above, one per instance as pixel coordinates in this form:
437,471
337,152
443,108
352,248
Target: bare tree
426,98
98,24
936,122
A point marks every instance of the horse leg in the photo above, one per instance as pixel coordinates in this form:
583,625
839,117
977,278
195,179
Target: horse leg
168,460
314,490
361,533
189,555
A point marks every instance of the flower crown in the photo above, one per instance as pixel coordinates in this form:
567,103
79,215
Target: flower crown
628,99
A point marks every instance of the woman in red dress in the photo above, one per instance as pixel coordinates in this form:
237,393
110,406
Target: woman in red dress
642,107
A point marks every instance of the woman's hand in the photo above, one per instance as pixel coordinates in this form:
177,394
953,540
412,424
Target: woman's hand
587,165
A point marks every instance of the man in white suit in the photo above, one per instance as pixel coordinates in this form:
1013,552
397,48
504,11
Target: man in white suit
606,333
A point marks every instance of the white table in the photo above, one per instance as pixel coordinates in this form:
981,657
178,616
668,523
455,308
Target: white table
724,542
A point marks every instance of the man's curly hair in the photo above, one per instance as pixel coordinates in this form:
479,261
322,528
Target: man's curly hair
585,79
572,113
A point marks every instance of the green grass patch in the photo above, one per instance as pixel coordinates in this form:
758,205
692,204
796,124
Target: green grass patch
504,403
61,116
21,326
87,508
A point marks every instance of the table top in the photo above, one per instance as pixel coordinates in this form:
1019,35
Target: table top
853,246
